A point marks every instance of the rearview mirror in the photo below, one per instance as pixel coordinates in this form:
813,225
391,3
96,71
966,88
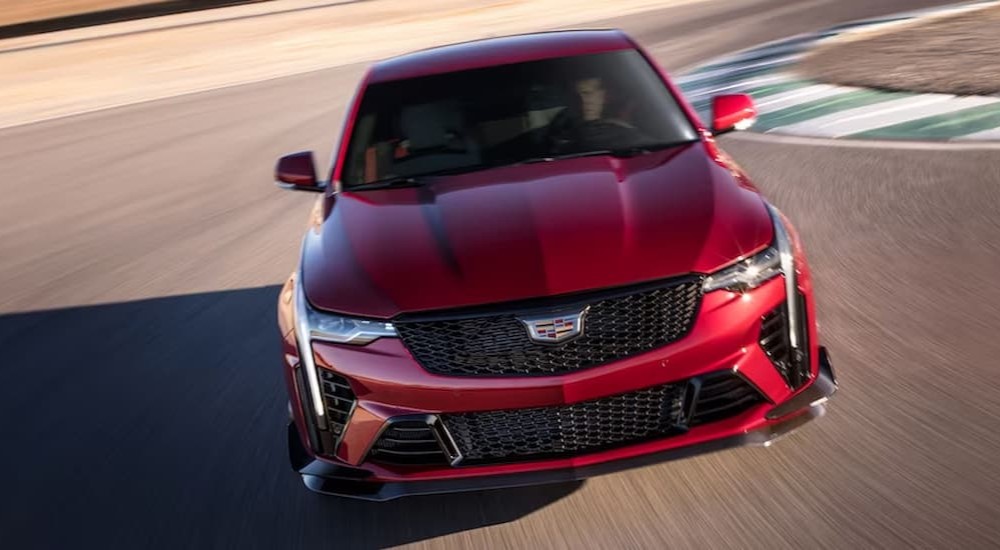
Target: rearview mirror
732,112
298,172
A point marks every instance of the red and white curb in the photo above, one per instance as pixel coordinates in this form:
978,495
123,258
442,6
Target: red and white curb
790,105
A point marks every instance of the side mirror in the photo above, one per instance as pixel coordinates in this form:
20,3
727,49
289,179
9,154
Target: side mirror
732,112
298,172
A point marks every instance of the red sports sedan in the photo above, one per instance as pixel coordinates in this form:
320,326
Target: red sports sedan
532,263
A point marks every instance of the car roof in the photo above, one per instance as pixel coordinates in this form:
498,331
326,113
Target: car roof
499,51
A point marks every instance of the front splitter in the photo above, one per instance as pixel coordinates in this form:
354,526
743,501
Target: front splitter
330,479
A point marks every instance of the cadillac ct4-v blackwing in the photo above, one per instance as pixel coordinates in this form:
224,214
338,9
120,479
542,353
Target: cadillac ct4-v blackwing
532,263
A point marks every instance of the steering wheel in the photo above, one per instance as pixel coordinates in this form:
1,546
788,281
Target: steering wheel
606,123
566,132
604,132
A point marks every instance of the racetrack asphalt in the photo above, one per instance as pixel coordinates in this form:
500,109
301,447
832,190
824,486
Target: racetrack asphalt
142,403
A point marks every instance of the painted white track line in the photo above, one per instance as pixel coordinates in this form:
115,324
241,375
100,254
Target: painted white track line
919,16
710,75
765,52
792,98
880,115
993,134
863,143
739,85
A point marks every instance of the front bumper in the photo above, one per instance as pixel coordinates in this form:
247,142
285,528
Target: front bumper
330,478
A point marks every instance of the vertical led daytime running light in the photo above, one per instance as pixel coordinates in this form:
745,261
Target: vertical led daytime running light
787,256
306,359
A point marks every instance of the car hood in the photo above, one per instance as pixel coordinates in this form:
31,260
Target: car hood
531,230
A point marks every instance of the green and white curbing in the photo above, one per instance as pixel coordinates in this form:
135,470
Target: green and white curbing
792,106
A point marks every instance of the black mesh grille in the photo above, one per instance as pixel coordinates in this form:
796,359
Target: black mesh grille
614,328
554,431
339,401
774,340
550,432
408,442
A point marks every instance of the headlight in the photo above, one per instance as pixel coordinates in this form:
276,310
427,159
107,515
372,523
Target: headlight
338,329
746,274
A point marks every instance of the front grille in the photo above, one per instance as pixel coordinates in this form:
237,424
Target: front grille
626,419
408,442
339,401
774,340
498,344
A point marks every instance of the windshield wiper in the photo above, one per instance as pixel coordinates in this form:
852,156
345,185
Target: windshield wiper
416,180
619,152
420,179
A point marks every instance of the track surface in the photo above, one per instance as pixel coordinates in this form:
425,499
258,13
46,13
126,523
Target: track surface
142,404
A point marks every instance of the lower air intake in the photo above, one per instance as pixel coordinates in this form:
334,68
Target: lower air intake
723,396
339,401
571,429
408,442
793,365
496,437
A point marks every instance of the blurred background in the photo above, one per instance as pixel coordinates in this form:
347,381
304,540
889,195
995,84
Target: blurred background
142,244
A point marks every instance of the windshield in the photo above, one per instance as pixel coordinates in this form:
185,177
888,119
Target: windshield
539,110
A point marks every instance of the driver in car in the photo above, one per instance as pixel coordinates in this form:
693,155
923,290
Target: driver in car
588,123
593,101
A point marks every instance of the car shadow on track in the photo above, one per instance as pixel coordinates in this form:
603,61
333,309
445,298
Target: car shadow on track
161,423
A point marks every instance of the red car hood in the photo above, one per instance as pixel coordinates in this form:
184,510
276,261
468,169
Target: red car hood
531,230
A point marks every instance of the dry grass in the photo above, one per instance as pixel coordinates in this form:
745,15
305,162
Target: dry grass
956,55
23,11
